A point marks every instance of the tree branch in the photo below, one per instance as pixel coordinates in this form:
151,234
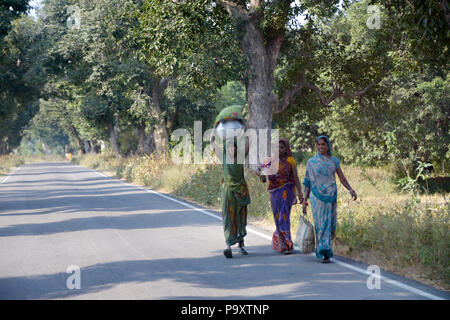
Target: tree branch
273,49
290,95
255,3
234,9
323,100
337,92
163,83
364,91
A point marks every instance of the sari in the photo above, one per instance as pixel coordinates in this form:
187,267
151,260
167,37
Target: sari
282,196
235,199
321,180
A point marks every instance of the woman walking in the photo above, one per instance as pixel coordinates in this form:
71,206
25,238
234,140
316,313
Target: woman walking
321,188
234,190
235,199
282,187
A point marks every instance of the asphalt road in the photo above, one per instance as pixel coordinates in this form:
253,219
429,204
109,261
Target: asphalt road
132,243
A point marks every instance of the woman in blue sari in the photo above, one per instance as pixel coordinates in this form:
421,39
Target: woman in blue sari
321,188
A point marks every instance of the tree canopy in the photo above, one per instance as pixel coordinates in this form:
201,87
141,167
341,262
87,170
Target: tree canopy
371,74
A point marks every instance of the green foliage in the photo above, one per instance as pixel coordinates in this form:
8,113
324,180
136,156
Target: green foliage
411,184
232,93
407,125
46,131
193,41
402,121
421,26
20,80
9,11
408,128
410,234
128,140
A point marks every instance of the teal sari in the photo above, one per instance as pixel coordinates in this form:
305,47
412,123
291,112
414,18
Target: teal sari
321,180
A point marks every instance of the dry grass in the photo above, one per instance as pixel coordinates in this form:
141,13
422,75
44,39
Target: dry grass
9,162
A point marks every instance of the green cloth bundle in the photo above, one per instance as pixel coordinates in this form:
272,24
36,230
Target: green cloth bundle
233,112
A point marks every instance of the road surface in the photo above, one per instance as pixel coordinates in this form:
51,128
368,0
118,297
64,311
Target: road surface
132,243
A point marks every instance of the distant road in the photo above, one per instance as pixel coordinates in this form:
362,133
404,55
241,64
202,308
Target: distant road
132,243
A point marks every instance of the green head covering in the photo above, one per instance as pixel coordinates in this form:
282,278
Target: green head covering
233,112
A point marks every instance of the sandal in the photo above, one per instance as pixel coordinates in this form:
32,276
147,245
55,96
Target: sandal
243,251
241,248
326,260
227,253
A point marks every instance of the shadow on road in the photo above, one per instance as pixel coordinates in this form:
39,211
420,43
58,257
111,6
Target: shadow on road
256,273
83,203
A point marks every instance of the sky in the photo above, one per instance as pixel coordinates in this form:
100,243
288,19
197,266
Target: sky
37,3
34,4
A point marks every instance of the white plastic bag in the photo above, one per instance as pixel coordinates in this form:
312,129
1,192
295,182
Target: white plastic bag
305,236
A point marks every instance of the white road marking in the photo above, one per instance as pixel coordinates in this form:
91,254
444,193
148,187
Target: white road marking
10,174
390,281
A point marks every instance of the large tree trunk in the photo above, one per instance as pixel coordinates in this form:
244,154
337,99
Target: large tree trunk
146,144
161,138
260,95
261,55
160,133
102,146
113,131
93,147
261,51
80,143
87,147
3,146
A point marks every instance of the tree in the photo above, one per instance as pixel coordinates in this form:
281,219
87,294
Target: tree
47,131
98,72
400,121
233,93
20,79
87,63
266,34
264,28
192,45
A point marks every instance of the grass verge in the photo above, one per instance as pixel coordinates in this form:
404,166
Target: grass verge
9,162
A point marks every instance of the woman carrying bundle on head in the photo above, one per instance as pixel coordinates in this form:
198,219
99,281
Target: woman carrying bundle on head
234,190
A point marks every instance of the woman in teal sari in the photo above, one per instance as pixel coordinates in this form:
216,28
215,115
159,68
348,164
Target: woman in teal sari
321,188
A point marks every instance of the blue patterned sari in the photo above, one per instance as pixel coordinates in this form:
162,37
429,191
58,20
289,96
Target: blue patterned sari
321,180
